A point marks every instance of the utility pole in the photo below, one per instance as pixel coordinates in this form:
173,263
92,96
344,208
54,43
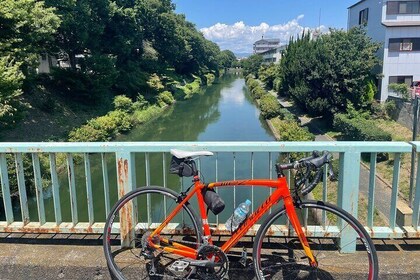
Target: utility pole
413,153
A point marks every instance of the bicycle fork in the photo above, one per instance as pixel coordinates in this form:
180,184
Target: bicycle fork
294,219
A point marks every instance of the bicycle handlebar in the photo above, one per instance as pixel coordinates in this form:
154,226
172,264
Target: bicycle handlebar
315,162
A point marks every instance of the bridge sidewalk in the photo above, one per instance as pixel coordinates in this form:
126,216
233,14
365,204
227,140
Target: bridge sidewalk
81,257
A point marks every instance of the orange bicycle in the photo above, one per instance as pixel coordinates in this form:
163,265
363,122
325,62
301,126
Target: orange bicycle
164,237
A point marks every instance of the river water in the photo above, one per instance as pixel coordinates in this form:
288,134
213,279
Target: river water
224,111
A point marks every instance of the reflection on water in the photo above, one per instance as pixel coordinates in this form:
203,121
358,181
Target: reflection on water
222,112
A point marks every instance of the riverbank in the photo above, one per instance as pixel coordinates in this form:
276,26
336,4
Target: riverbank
53,118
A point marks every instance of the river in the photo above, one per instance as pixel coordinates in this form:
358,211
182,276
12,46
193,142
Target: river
224,111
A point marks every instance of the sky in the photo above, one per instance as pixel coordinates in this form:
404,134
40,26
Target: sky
237,24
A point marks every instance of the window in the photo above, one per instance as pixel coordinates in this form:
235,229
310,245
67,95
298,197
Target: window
402,7
404,44
363,16
408,80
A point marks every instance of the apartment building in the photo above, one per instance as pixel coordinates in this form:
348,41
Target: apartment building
395,24
273,55
264,45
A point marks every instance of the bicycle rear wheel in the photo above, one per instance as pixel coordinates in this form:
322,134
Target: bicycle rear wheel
130,257
332,234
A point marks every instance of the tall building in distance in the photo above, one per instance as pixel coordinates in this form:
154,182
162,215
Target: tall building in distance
395,24
264,45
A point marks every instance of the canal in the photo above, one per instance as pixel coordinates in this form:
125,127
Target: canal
224,111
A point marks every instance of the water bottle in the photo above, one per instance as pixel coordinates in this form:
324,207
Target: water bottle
238,216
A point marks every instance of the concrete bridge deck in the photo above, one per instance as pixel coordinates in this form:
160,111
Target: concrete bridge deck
63,256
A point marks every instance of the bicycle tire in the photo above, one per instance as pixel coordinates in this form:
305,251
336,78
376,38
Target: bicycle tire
282,257
132,265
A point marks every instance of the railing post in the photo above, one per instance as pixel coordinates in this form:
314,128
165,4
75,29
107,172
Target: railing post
416,204
5,188
126,183
348,194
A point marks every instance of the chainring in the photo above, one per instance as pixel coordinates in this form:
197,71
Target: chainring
215,254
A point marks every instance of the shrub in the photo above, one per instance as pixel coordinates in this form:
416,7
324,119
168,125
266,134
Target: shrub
269,106
249,76
210,77
391,109
359,129
258,92
285,114
292,131
143,116
141,103
103,128
252,84
165,98
122,121
401,89
155,83
123,103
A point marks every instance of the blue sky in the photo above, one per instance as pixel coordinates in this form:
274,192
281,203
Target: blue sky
236,24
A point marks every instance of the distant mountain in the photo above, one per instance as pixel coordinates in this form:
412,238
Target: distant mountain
242,55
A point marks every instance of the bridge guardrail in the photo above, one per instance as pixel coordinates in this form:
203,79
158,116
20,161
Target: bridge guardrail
125,164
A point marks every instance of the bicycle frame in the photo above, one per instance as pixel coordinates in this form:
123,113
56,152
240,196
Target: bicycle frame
281,192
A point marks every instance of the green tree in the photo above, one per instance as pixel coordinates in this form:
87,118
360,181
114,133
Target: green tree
11,78
251,65
327,74
26,29
226,58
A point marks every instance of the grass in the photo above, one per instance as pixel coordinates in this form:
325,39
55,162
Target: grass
386,168
362,209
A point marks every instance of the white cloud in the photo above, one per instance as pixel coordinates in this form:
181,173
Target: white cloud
239,37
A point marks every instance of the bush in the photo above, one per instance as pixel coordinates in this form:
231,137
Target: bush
269,106
165,98
249,76
122,121
285,114
391,109
292,131
143,116
359,129
123,103
401,89
252,84
258,92
103,128
210,77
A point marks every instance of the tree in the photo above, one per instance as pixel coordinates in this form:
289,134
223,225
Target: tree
26,29
11,78
326,75
252,64
226,58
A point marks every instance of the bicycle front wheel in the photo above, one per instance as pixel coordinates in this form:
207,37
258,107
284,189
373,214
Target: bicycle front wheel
340,244
126,246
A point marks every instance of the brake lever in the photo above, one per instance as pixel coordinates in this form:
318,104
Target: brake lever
331,172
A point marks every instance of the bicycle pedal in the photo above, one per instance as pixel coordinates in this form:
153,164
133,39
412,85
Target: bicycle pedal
179,266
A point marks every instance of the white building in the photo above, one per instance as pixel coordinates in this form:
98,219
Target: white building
396,24
273,55
264,45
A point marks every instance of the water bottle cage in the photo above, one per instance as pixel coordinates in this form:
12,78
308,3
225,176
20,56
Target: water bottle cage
231,223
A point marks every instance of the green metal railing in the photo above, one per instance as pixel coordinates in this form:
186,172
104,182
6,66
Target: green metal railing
12,168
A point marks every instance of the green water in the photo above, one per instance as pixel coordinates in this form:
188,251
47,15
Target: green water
222,112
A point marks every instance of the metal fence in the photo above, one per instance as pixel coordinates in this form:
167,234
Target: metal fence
117,167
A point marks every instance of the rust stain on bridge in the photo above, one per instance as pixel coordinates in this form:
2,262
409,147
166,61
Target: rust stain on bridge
126,212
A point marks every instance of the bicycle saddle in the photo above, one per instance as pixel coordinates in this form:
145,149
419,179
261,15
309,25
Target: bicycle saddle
187,154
